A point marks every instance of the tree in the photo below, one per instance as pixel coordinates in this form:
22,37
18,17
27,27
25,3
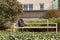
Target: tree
10,11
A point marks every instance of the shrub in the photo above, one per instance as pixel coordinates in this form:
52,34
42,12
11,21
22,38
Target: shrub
29,36
56,20
36,21
53,14
10,11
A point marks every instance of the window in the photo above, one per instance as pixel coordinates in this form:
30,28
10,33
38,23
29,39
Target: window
25,7
41,6
28,6
54,0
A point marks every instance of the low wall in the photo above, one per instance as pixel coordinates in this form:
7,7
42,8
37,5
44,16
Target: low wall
33,14
41,14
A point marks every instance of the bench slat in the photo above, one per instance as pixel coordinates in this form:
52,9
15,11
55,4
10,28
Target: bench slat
37,27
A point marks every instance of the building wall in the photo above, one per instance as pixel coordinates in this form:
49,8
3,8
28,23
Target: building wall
48,4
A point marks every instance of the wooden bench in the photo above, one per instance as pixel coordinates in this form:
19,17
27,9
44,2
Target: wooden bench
38,27
47,26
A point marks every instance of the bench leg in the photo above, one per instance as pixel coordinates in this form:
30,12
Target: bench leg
47,29
56,30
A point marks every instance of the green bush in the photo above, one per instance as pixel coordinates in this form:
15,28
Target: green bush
36,21
54,20
35,24
29,36
39,24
